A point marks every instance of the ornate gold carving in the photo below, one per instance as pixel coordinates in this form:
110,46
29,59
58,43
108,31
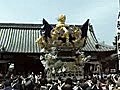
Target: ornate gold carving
62,35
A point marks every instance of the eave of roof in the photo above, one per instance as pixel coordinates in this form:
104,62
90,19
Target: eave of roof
20,25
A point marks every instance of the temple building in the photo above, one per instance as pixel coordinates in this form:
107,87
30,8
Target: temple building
18,47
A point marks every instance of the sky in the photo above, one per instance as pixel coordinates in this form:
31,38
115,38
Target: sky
102,14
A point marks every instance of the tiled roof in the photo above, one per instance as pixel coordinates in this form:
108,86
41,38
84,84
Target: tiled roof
92,43
20,38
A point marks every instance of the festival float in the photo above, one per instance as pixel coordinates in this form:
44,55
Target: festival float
61,46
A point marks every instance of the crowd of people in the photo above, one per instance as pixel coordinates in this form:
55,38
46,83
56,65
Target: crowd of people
31,81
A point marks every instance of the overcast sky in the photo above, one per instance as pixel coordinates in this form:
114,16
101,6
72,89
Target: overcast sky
102,13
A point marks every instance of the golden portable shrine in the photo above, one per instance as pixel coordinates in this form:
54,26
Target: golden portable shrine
61,47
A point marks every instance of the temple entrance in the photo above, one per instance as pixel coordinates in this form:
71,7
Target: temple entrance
27,64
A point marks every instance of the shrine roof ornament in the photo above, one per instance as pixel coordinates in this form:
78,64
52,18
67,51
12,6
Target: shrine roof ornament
62,35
